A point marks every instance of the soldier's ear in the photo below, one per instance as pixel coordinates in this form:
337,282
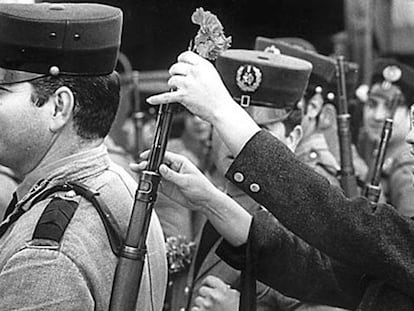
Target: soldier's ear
63,103
327,117
294,137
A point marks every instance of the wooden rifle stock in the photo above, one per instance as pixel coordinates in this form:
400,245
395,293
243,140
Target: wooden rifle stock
348,178
128,273
372,190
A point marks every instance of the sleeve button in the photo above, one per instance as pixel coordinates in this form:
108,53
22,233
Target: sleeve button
254,187
238,177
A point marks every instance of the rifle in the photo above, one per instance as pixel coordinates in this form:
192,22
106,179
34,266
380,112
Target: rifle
372,190
348,179
128,273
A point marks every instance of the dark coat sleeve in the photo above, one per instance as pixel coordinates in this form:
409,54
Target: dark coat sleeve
372,238
290,265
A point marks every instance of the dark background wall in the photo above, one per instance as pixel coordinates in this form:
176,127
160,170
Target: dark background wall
156,31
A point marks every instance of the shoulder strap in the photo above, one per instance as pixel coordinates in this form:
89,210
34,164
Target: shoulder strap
59,213
54,220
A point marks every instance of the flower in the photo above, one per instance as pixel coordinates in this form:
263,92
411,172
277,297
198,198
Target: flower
180,252
210,40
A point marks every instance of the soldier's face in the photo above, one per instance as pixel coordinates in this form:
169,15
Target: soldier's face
24,131
376,110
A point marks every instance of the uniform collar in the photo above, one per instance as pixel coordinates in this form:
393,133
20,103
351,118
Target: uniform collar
74,168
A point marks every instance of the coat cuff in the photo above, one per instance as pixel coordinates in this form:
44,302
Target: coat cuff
259,231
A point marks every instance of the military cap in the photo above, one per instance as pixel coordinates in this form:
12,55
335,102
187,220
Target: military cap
391,76
263,79
61,38
323,76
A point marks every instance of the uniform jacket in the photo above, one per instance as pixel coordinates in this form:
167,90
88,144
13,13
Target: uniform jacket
373,239
76,274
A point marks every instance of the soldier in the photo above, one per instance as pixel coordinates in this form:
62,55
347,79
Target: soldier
391,79
362,251
319,107
59,95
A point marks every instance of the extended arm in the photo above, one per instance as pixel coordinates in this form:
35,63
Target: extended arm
371,238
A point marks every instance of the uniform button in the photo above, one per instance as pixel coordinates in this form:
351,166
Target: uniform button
254,187
238,177
313,155
186,290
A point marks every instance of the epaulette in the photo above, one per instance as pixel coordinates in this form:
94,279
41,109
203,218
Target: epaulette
54,220
58,213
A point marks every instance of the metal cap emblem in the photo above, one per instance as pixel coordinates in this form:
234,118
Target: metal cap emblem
272,49
248,78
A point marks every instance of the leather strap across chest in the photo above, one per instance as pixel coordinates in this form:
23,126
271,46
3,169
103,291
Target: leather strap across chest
59,212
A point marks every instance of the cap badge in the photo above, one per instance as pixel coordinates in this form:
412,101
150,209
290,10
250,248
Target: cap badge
248,78
392,73
272,49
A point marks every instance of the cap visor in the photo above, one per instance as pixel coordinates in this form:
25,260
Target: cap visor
8,76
